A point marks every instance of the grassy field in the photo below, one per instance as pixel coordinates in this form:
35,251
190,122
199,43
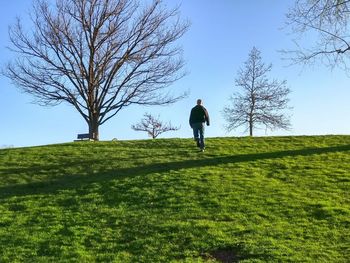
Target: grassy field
267,199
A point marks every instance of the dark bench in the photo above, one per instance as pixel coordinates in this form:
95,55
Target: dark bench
83,136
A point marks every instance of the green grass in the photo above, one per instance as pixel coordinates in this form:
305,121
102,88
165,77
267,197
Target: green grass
267,199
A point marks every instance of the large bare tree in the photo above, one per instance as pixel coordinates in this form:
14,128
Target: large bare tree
260,101
98,55
325,26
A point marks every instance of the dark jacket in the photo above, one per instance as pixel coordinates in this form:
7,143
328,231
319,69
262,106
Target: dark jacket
199,114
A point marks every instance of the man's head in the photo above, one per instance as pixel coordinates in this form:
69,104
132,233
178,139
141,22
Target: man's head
199,102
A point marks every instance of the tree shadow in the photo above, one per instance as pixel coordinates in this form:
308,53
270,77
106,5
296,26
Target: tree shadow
86,176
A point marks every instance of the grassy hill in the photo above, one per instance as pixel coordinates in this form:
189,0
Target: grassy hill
268,199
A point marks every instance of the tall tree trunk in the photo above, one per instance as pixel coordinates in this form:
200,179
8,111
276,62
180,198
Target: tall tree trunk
93,113
93,127
252,108
250,126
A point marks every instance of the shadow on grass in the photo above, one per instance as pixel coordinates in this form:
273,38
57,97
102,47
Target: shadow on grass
73,181
149,224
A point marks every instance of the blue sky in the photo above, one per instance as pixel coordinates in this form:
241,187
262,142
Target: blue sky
216,46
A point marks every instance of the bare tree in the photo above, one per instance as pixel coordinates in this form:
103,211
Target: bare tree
153,126
327,22
98,56
261,101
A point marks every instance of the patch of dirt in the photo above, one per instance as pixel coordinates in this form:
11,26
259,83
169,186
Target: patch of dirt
223,255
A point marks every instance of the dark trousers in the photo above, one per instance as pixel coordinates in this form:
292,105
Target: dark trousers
198,134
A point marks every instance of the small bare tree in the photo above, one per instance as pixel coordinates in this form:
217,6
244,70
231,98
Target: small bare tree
99,56
153,126
328,21
261,101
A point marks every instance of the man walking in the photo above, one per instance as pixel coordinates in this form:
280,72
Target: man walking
199,115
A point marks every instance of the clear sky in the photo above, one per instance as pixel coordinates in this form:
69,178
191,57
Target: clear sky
216,46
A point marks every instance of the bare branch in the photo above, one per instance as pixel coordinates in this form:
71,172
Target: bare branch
329,20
